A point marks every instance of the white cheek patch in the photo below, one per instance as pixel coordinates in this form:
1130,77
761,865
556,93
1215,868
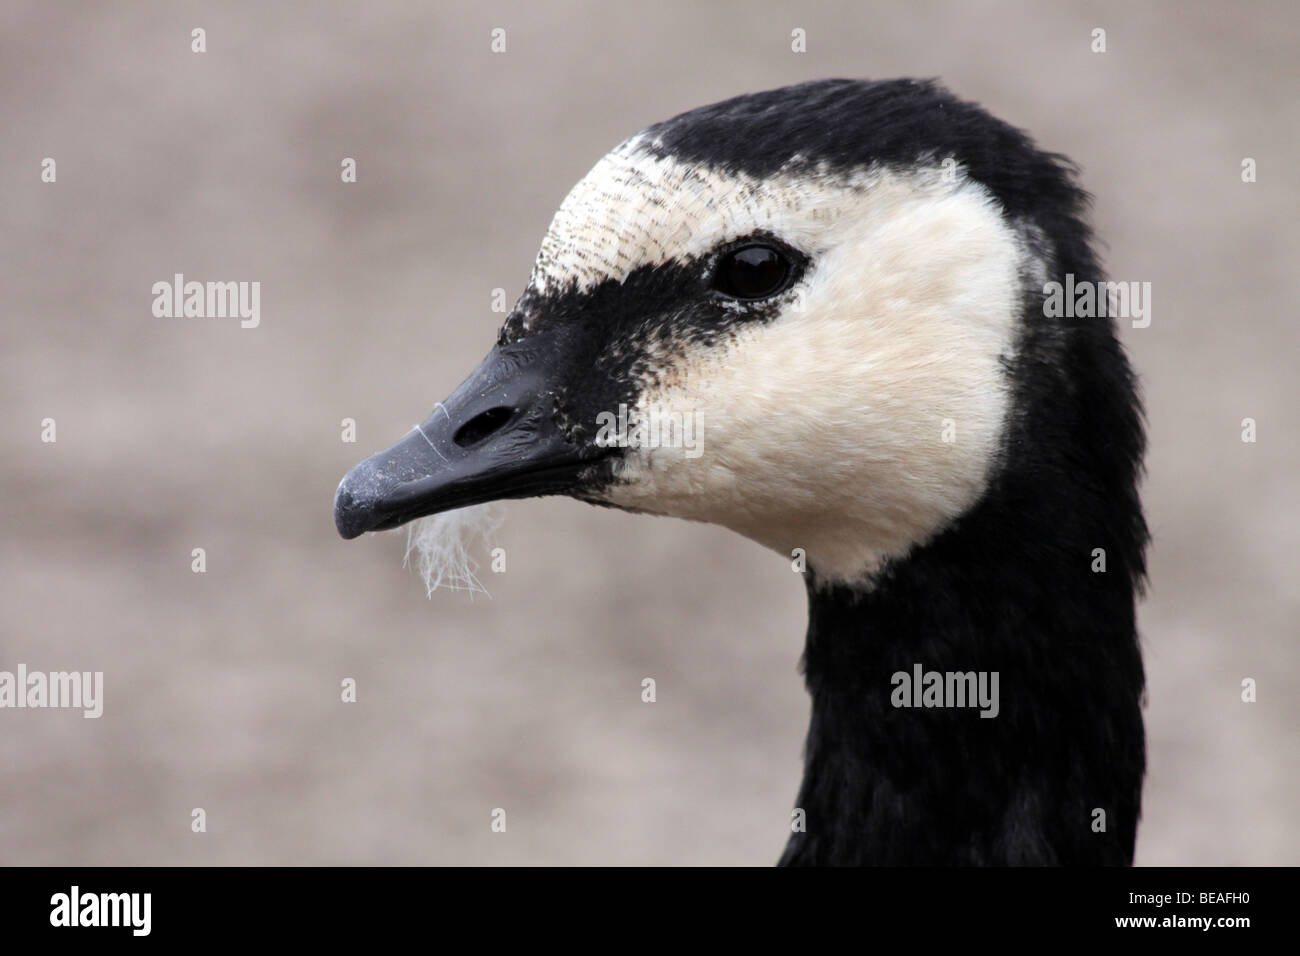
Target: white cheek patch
869,414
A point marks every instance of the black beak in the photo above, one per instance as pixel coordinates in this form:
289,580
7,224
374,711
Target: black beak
494,437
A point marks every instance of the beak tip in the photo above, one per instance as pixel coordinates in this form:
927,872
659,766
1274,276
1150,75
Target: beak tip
351,516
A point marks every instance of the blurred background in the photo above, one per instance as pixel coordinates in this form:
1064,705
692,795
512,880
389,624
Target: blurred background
223,688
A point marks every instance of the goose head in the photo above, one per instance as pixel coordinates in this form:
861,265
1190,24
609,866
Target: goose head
793,314
816,316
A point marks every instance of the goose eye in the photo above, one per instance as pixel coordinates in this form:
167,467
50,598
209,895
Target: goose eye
751,272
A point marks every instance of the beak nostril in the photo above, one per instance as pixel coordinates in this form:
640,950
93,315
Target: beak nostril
482,425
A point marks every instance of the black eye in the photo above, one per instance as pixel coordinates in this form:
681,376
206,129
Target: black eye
752,272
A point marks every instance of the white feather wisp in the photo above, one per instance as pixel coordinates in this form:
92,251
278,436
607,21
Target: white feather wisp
442,547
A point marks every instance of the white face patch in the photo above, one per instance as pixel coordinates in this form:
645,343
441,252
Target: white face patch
868,414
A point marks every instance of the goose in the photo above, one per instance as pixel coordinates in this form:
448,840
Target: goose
843,281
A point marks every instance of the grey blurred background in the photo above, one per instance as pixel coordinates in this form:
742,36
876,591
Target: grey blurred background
222,689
